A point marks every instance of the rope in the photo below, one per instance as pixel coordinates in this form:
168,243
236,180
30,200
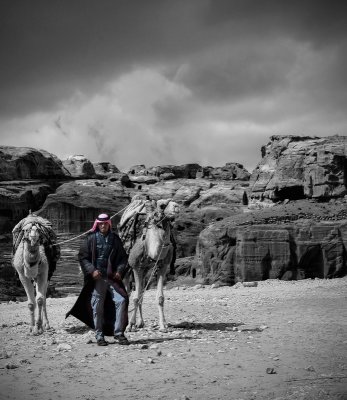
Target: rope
84,233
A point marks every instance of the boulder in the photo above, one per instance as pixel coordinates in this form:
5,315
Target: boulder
80,167
298,167
231,171
18,163
105,169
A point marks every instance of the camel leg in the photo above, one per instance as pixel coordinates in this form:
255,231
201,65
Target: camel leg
41,288
160,296
46,325
138,277
30,292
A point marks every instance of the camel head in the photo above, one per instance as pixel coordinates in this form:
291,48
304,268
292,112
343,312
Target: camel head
172,210
32,235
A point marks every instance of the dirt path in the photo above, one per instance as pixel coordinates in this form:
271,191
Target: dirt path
222,344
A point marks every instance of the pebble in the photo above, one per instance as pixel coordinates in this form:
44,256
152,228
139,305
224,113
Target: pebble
4,354
64,347
12,366
270,371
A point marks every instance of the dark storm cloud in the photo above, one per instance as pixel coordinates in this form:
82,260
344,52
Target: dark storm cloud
170,79
83,42
319,22
52,48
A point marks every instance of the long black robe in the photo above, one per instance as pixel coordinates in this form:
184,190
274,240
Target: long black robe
117,262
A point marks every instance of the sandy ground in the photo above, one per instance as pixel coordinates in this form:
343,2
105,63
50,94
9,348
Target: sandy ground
279,340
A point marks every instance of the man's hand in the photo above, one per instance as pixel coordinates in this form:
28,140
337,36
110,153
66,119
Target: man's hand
96,275
117,276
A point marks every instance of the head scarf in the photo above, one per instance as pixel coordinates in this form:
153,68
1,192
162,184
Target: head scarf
101,218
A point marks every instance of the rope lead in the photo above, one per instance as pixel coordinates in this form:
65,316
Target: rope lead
84,233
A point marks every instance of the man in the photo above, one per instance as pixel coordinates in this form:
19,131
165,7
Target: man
103,261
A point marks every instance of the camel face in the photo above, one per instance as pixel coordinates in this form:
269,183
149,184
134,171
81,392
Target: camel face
33,236
172,210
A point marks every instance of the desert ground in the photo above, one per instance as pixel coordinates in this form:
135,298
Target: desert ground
278,340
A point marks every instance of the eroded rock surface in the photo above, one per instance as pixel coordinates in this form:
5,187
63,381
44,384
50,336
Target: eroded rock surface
296,167
293,241
18,163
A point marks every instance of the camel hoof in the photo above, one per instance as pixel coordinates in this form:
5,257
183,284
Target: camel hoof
37,331
164,330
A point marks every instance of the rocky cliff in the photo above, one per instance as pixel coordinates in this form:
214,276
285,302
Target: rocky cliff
288,221
297,240
297,167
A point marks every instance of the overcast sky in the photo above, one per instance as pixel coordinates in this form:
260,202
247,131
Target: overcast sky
170,81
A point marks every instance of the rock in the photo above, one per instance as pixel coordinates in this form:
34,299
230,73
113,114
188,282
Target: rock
64,347
79,167
11,366
18,163
241,249
270,370
297,167
105,168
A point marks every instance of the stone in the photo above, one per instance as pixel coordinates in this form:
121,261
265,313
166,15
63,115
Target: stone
297,167
79,167
17,163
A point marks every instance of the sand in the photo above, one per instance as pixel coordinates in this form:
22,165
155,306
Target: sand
279,340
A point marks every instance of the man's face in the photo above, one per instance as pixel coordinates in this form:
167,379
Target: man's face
103,227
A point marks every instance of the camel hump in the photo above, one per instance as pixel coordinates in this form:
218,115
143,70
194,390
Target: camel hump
132,222
47,237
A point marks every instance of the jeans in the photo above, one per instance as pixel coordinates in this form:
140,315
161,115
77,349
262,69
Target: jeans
121,308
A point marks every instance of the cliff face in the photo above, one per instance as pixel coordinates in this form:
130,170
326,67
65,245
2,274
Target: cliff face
228,230
295,167
293,241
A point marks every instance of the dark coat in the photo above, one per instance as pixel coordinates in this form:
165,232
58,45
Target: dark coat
117,262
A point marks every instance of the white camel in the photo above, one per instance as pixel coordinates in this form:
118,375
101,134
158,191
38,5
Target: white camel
149,245
34,258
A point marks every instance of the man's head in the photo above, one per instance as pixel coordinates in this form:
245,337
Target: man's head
102,223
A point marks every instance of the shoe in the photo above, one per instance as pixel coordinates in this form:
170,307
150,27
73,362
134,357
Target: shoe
101,342
121,339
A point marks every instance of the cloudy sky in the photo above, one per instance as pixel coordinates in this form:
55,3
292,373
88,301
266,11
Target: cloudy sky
170,81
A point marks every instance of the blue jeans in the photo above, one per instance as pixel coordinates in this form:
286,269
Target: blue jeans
121,308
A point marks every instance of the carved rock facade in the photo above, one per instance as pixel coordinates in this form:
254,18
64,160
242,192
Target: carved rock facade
286,242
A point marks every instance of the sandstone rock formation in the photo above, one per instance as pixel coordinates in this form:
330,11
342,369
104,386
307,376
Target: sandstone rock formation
105,168
227,231
231,171
297,167
17,163
292,241
27,176
79,167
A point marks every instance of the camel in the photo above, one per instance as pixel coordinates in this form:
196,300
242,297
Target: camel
34,258
146,231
